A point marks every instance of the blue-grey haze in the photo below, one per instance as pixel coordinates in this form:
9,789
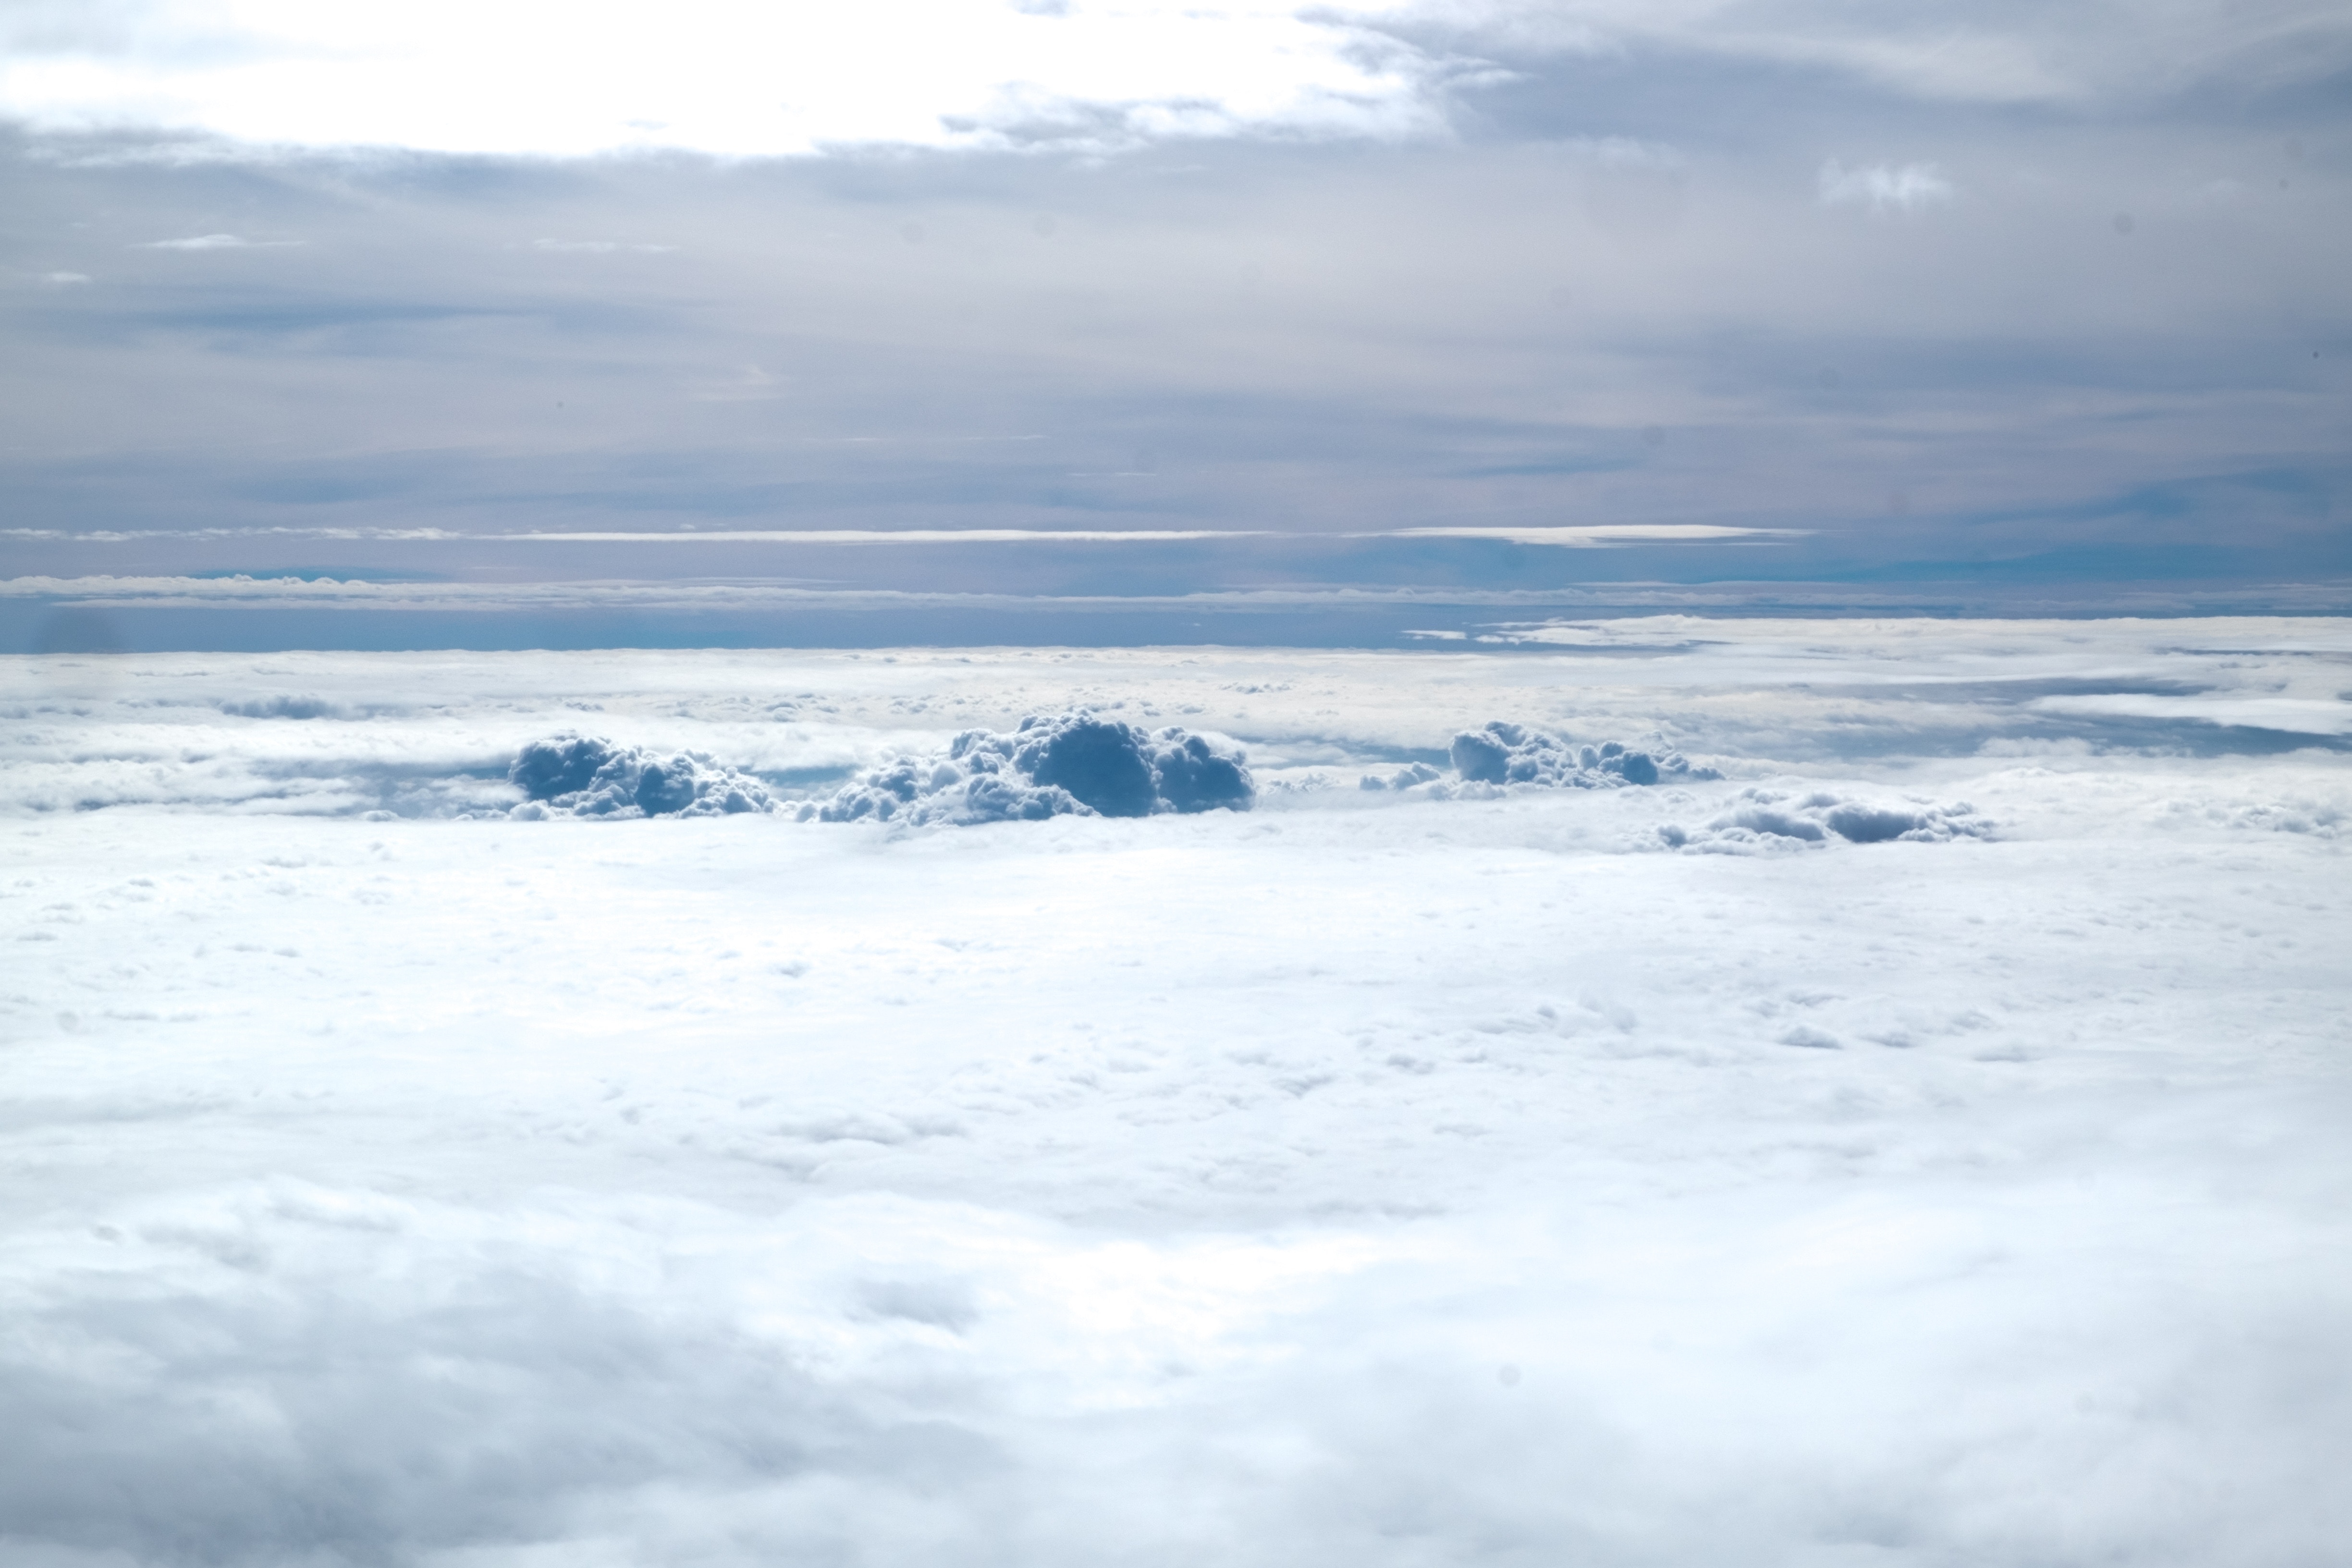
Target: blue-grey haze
2080,354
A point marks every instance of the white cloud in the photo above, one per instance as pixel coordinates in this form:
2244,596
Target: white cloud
65,280
1881,187
736,77
726,77
216,242
1405,1178
1590,536
598,247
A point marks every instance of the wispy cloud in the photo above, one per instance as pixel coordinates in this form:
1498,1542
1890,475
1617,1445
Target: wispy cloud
1573,537
216,242
1599,535
891,536
597,247
1880,186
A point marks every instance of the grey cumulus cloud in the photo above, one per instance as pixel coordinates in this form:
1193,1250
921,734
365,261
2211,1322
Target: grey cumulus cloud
580,776
1052,765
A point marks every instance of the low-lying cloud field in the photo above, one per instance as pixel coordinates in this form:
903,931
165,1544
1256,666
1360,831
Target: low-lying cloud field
1899,1120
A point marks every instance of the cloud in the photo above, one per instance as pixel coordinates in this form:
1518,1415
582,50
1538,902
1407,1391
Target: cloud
750,1194
483,1393
532,77
1068,764
285,705
65,280
896,536
1768,819
1940,49
1502,758
598,247
1881,187
216,242
578,775
1590,536
1503,754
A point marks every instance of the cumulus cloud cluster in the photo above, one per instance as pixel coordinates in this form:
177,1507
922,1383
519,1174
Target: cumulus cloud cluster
581,775
1762,819
1502,754
1065,764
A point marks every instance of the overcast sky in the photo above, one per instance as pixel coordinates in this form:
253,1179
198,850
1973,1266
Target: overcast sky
1454,298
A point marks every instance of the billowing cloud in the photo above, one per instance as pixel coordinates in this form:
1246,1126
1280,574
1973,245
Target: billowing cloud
1502,754
1762,819
1067,764
580,776
1508,754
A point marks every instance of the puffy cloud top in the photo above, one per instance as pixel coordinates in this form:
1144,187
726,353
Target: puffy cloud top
1769,819
1506,754
1066,764
582,775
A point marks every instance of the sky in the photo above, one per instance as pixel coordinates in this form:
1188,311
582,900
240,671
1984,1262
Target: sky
1067,321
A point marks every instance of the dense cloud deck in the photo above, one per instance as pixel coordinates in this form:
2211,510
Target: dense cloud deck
1938,1152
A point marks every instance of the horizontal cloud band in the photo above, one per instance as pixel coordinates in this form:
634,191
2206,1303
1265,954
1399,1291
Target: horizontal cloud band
1583,536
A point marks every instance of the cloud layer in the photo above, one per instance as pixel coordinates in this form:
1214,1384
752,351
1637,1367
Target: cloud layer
1358,1182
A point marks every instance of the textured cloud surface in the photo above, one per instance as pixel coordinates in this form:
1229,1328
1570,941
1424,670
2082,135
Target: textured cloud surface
578,775
1445,1173
1051,767
1504,754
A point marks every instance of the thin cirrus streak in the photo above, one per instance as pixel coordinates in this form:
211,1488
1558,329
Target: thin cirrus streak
1579,536
1570,537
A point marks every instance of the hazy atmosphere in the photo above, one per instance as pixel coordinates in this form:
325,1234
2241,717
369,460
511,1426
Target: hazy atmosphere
1946,307
1039,783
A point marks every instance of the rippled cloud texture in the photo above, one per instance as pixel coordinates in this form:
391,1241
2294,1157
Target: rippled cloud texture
1993,301
1909,1130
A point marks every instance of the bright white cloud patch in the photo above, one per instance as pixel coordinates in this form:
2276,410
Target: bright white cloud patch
1368,1179
216,242
720,76
731,77
1881,187
598,247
